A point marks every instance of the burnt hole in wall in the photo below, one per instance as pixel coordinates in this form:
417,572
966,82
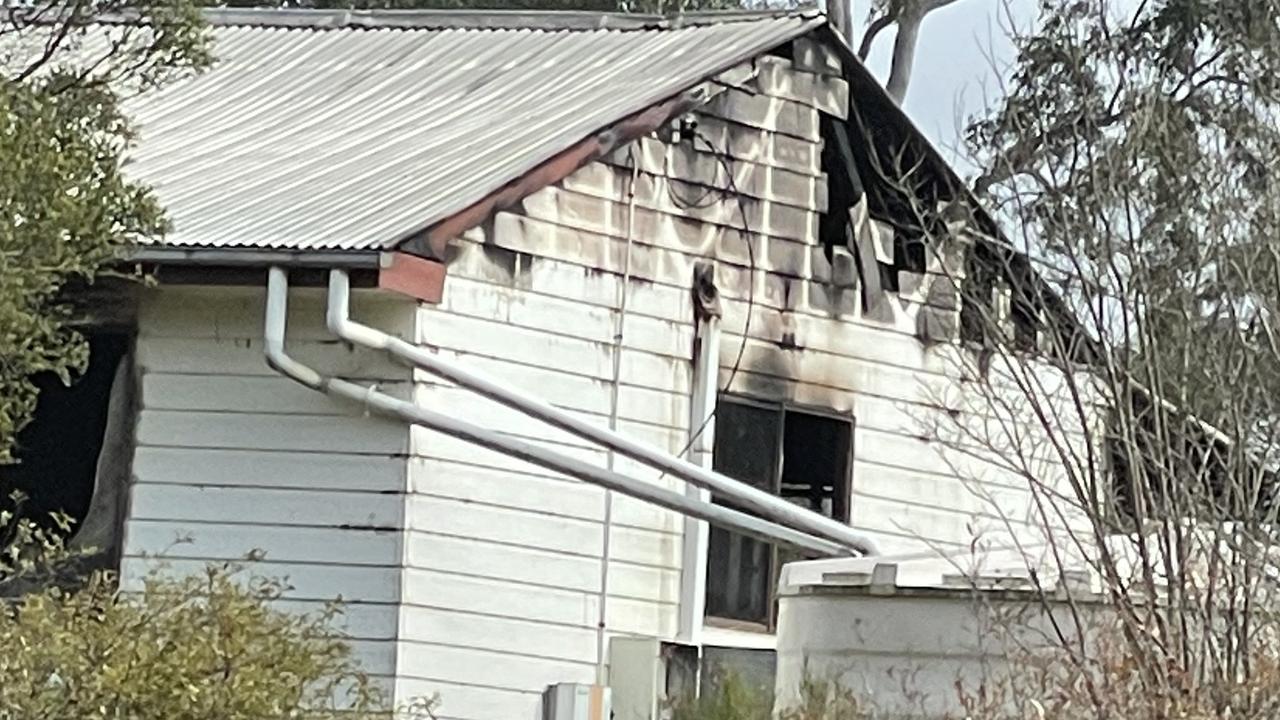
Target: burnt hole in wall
785,50
1001,300
1024,303
888,277
57,454
844,190
1024,322
1164,462
910,253
977,295
502,258
863,207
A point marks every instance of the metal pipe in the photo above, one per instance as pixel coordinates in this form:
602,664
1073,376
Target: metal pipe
615,394
762,503
693,578
372,398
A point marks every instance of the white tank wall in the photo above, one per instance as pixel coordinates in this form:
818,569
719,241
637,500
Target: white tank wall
903,646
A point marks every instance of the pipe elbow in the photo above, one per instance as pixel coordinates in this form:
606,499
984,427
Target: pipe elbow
273,337
281,362
338,315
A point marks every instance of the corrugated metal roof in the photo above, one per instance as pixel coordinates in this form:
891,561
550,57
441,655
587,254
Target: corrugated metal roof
322,130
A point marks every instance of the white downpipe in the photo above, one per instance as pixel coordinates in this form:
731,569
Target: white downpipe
702,405
383,404
762,503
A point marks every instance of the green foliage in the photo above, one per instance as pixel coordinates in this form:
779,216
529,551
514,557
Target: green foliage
34,555
732,698
826,699
212,646
66,210
1135,148
1134,158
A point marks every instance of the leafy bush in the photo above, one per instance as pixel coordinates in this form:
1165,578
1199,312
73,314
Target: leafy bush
67,210
205,647
732,698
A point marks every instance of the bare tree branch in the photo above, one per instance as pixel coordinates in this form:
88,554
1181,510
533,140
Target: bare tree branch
909,18
876,26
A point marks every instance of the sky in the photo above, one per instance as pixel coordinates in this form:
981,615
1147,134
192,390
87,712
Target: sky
961,46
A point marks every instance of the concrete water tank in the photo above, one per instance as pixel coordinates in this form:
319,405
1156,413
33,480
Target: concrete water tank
909,640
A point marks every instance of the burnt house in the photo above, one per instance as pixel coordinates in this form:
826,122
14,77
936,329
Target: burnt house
681,229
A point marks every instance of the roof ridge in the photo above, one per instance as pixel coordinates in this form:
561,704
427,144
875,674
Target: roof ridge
401,19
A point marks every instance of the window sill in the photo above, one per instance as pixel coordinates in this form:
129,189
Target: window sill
737,638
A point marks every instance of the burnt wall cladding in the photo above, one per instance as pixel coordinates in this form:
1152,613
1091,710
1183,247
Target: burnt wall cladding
798,332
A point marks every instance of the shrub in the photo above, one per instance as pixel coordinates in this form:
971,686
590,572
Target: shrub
212,646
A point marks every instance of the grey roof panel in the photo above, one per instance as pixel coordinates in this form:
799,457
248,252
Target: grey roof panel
352,138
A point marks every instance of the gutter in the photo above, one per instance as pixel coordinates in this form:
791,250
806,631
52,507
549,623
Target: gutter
255,258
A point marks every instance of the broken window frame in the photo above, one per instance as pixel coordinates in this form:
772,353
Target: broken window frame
841,498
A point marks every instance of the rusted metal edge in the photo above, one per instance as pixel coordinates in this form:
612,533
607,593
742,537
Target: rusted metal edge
433,242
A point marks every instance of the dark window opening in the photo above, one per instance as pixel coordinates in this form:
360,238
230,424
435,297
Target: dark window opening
813,475
804,457
1164,463
59,452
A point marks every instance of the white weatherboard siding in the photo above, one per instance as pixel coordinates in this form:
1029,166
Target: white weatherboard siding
503,584
233,458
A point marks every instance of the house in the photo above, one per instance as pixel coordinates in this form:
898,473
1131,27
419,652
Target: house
634,219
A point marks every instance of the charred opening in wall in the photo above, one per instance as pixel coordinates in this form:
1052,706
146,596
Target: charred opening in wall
800,454
817,452
1009,303
60,463
844,189
1167,465
880,214
977,295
